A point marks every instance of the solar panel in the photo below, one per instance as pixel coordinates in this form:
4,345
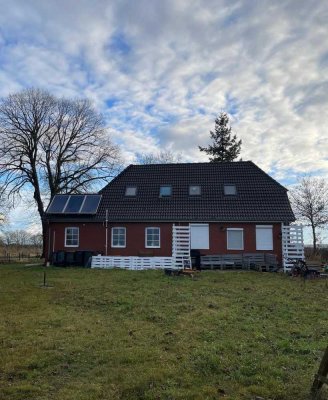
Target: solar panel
58,203
91,203
74,204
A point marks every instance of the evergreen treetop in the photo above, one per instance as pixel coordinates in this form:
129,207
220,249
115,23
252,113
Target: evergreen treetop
225,146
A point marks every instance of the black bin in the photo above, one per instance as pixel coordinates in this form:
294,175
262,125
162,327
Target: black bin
195,258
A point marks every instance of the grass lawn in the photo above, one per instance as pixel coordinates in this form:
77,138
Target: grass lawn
112,334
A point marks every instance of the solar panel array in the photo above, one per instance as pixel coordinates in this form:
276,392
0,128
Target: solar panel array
74,204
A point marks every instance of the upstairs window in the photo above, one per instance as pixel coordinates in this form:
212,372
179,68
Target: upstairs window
165,191
131,191
230,190
194,190
72,237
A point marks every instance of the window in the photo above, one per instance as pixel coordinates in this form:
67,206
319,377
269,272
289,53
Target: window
194,190
153,237
71,237
131,191
118,237
235,239
264,239
165,191
230,190
199,236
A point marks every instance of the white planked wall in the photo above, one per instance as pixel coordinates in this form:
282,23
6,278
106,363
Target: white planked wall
292,245
133,263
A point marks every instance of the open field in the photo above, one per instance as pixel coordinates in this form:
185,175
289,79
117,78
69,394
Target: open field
112,334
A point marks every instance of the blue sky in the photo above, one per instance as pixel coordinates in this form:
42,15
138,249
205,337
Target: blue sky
160,71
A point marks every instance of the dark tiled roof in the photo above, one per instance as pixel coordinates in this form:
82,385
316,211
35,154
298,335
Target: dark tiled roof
259,197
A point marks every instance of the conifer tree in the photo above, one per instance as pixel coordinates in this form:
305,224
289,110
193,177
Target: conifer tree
225,146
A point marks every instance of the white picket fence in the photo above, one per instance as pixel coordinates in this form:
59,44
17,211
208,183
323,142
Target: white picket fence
134,263
180,255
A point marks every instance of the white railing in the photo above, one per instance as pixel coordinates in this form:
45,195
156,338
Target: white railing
134,263
181,246
292,245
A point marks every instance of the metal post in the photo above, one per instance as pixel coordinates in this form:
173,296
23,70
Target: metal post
106,231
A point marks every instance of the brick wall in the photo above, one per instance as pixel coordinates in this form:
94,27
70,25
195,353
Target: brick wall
93,237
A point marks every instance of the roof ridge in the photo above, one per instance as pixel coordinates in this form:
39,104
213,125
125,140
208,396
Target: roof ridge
193,163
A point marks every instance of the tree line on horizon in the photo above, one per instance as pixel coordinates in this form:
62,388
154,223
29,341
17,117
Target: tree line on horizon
55,145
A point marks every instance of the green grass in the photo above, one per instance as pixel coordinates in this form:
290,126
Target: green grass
114,334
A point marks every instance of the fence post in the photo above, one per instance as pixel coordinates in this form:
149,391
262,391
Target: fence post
321,376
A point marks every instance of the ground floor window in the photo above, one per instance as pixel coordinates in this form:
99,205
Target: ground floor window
71,237
199,236
235,239
264,237
152,237
118,237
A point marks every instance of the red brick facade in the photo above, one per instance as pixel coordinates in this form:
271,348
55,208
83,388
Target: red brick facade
92,236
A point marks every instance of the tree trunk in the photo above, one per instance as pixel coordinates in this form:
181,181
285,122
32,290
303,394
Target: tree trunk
39,203
314,239
44,238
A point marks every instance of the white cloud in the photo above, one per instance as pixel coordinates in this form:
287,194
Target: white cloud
167,68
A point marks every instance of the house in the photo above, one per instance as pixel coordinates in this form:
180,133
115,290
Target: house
231,208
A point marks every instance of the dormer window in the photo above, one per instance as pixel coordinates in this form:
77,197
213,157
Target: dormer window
131,191
194,190
165,191
230,190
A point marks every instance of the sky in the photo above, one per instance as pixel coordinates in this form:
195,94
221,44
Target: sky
160,72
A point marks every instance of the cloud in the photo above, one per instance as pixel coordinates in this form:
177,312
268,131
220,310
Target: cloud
161,71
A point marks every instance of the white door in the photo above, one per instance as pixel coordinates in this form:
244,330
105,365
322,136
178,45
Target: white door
199,236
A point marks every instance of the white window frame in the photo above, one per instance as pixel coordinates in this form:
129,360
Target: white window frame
264,227
78,236
159,237
112,236
242,239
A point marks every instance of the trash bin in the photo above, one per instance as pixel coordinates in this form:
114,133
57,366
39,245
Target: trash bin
79,258
195,258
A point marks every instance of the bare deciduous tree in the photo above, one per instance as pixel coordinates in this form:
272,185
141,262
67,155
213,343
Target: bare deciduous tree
52,145
4,209
21,237
309,199
161,157
9,237
36,240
